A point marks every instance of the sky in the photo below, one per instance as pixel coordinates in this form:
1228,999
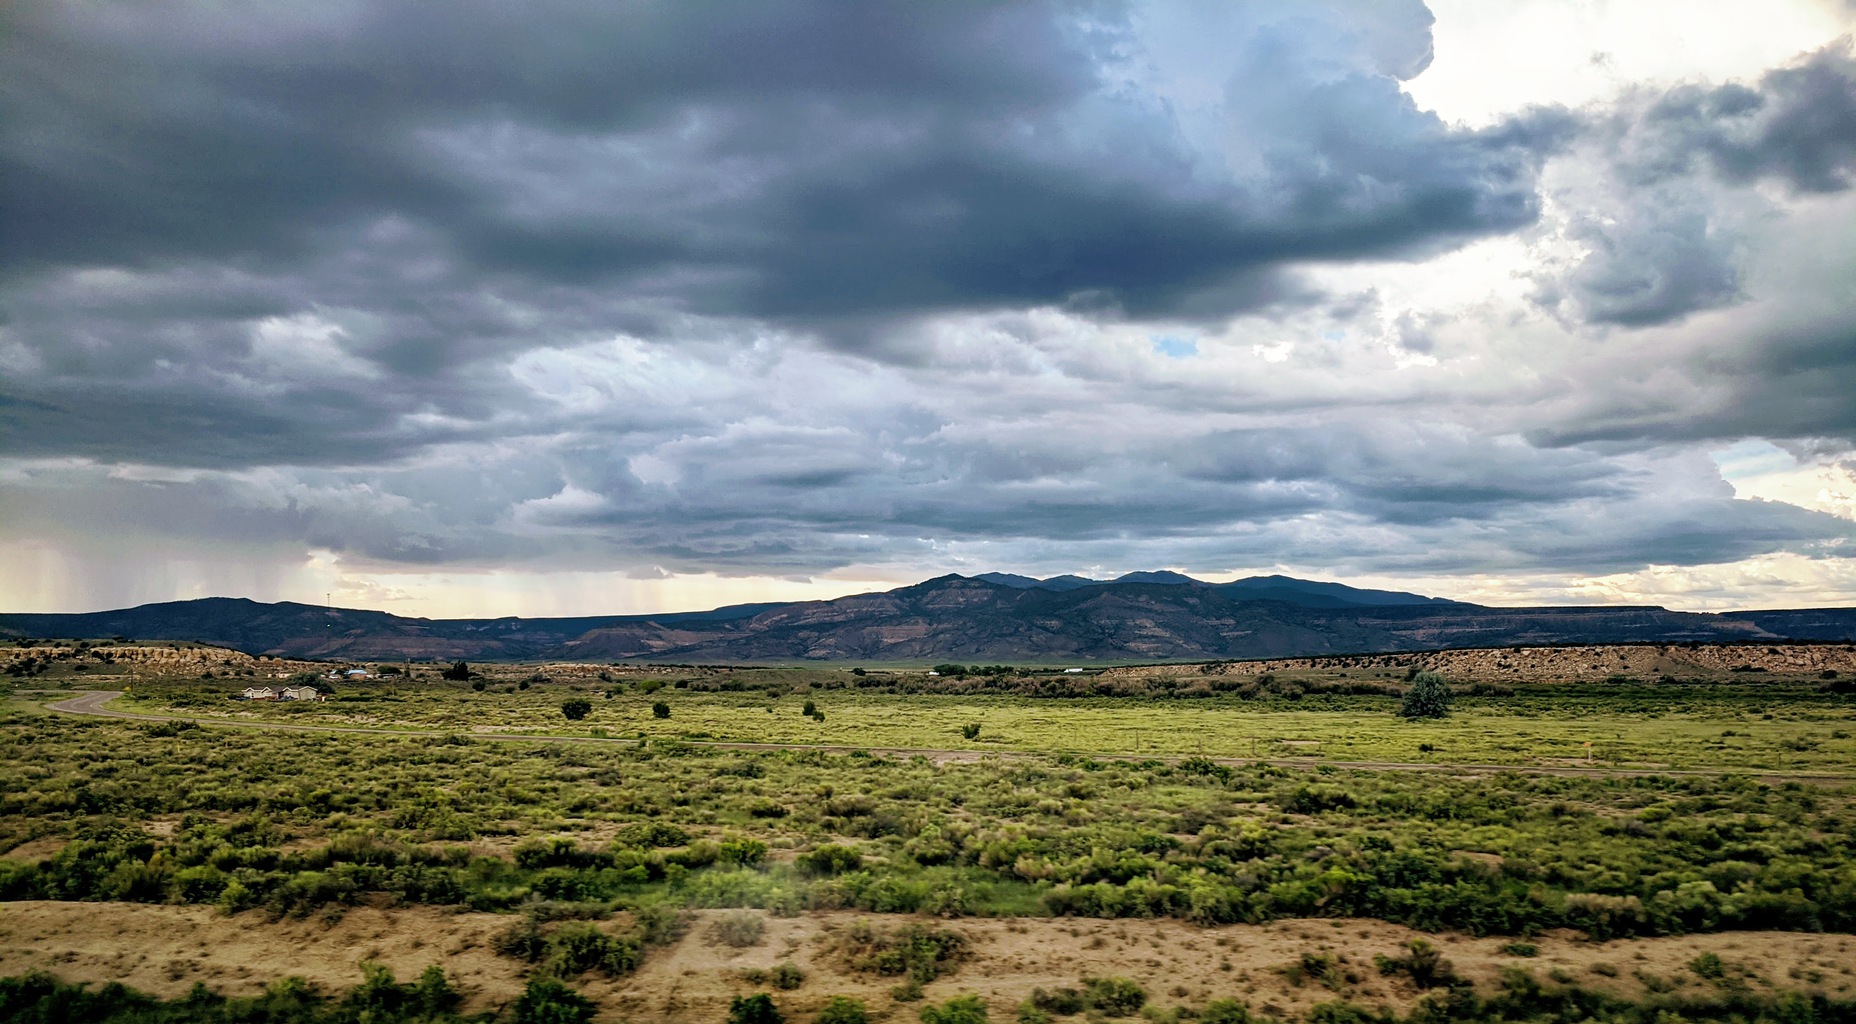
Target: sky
468,308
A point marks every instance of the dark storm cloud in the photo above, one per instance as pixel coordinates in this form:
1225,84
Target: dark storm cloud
1400,498
1660,253
1676,238
1795,382
1797,125
974,152
669,284
1653,264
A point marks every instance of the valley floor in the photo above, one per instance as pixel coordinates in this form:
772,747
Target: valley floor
698,835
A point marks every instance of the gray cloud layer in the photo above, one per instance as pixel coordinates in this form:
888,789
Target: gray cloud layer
782,287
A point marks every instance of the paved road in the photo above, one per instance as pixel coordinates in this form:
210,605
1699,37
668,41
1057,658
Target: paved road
92,702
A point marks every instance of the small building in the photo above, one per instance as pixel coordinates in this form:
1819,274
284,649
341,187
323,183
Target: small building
1072,671
357,673
301,693
260,693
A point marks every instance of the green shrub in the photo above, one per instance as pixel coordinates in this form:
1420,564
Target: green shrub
577,948
843,1010
922,954
569,950
754,1009
1316,798
1709,966
1116,997
659,924
968,1009
576,709
660,710
650,834
1225,1011
1423,964
547,1001
829,859
1063,1002
741,851
740,928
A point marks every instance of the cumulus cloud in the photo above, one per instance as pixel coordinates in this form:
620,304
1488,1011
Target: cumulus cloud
1663,196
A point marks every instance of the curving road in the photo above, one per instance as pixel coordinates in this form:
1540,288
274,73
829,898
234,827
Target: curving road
92,702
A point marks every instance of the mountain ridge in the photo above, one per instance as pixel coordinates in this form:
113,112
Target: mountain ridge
1159,616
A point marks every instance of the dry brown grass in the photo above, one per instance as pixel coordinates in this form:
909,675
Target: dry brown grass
165,949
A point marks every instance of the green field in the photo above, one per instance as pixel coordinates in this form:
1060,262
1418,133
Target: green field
1056,832
1776,729
1701,808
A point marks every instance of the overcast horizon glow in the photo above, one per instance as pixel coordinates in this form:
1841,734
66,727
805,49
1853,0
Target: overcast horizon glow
457,310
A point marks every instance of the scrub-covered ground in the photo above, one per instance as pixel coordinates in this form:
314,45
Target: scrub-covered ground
662,880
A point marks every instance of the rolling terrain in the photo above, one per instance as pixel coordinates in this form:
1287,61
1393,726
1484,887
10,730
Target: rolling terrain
1139,617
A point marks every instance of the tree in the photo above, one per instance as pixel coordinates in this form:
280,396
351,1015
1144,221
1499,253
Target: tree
754,1009
1427,698
576,709
660,710
458,671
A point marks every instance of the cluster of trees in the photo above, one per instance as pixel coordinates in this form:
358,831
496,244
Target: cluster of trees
955,671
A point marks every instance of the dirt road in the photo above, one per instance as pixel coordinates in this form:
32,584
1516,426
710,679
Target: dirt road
93,702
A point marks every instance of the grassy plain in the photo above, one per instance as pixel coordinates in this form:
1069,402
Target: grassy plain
1105,838
1773,727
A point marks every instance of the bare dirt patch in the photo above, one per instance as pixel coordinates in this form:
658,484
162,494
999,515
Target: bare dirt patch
1178,963
36,849
165,949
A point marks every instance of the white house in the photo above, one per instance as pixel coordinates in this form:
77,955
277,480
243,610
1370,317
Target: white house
301,693
260,693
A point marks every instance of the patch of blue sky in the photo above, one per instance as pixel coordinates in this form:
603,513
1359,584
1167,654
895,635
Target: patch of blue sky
1750,458
1175,348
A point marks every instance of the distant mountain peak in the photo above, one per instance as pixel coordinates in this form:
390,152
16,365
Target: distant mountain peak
1274,587
998,617
1008,579
1164,576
